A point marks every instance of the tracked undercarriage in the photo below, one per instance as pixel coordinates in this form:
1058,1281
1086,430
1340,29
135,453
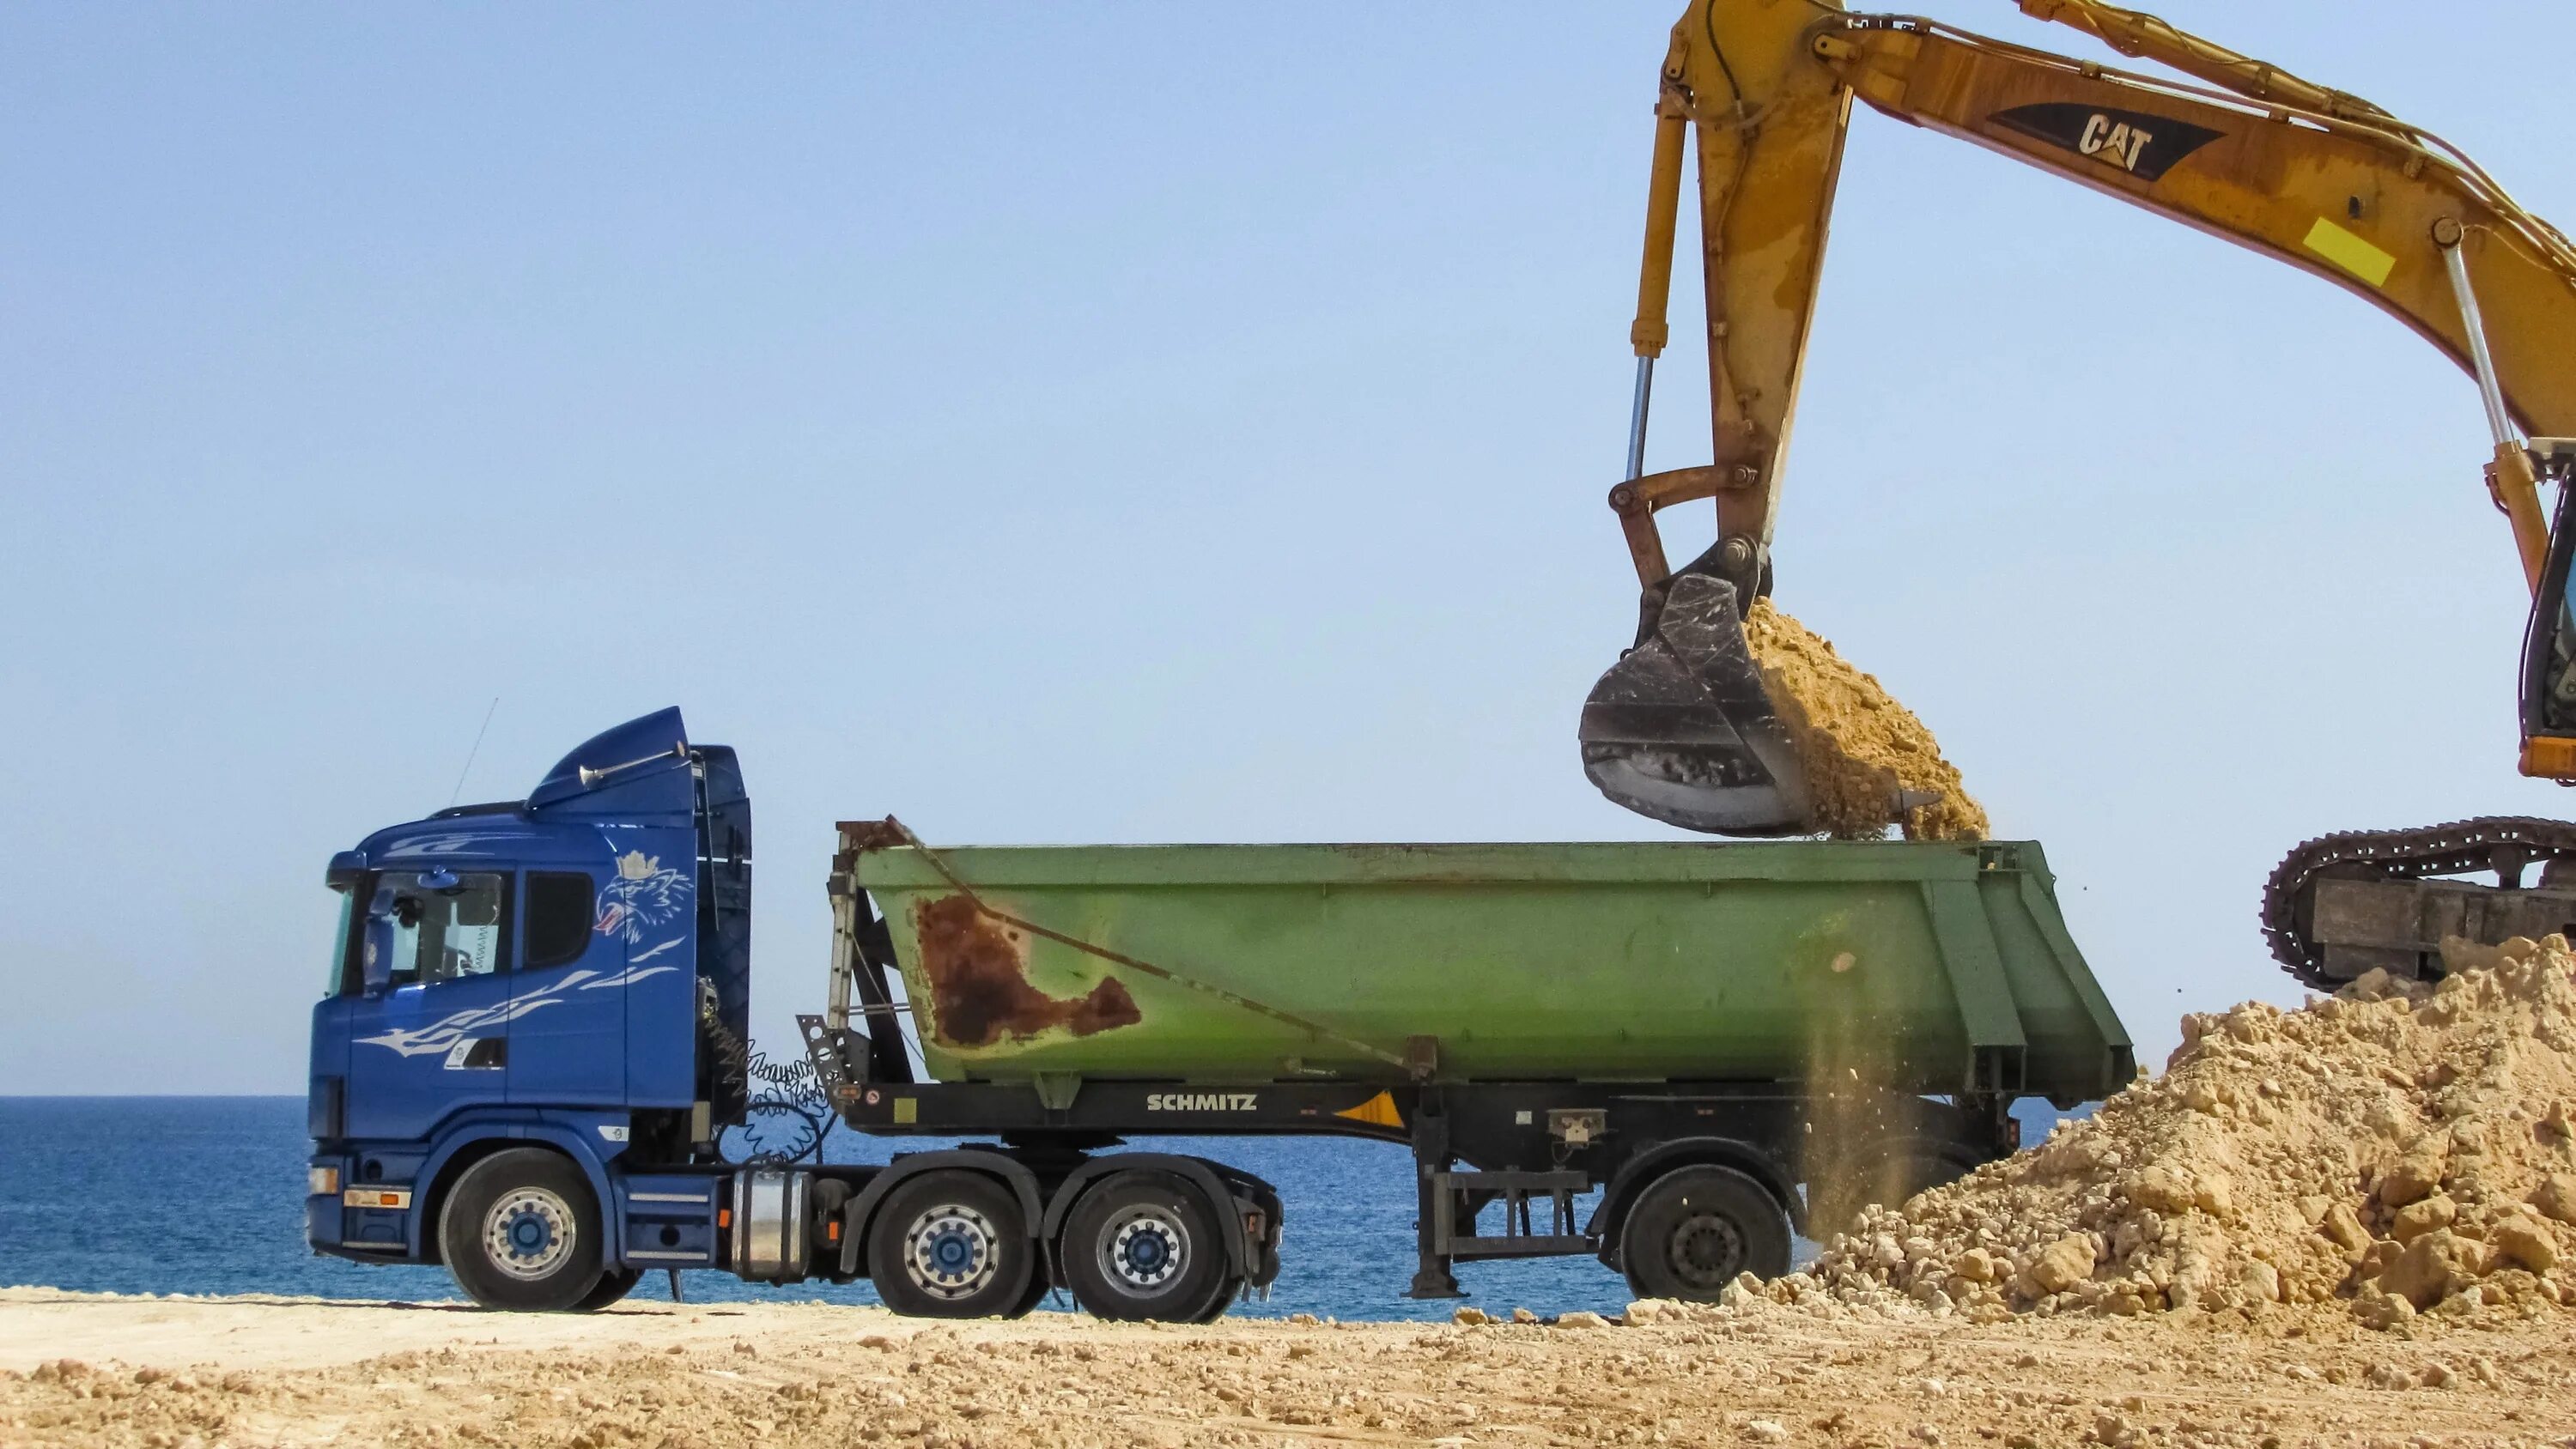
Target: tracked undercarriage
2342,904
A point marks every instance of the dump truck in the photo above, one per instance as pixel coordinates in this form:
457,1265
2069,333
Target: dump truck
534,1039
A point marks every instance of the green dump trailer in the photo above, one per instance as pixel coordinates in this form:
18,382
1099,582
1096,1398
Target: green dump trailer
1728,1040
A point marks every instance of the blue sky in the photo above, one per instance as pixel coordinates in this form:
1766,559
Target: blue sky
1130,423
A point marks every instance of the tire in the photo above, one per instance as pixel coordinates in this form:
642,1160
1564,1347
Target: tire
1227,1290
1696,1229
1143,1246
1039,1288
951,1244
520,1232
611,1287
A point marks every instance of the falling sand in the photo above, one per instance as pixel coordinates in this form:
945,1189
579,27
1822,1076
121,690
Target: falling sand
1861,748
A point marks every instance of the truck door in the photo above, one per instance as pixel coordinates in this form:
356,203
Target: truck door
426,1027
568,1011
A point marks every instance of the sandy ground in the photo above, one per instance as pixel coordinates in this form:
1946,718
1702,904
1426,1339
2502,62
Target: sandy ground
262,1371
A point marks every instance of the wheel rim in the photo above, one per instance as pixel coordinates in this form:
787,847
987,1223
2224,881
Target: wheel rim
1144,1249
951,1252
1706,1251
529,1233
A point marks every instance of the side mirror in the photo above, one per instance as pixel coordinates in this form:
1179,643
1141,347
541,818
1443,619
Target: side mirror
376,954
345,869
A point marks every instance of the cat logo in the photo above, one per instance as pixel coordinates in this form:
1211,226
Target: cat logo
2140,145
2117,142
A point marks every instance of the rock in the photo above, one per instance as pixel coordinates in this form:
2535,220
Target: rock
2157,1189
1765,1431
2556,1197
1976,1265
1474,1318
2063,1264
1523,1315
2525,1242
2260,1281
1581,1318
2380,1309
2429,1270
2418,1218
2416,1173
2343,1228
2215,1196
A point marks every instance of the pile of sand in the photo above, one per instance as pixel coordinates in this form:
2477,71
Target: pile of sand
2394,1150
1861,748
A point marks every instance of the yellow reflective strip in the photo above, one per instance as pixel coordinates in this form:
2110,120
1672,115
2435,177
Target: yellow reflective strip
2350,252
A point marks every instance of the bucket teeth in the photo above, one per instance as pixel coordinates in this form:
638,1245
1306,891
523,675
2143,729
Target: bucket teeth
1680,729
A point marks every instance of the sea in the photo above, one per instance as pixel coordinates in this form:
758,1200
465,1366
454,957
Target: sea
204,1195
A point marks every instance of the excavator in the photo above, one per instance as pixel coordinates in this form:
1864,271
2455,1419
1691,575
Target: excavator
1681,728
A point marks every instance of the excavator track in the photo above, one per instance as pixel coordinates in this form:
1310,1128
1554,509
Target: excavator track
2501,843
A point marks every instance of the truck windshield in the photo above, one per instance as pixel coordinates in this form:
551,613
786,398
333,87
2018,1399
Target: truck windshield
338,980
444,934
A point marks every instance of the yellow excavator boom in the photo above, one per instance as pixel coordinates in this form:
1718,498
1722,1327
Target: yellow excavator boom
2316,178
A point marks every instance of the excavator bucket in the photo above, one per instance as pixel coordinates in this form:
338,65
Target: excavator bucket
1681,730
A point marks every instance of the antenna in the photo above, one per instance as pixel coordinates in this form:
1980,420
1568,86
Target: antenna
471,753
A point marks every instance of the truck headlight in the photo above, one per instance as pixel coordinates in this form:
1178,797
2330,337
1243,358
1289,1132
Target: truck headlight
322,1181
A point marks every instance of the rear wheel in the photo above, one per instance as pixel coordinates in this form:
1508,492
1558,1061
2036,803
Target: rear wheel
1143,1246
951,1244
521,1231
612,1286
1696,1229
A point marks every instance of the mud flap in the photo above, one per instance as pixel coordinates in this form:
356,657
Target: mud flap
1680,729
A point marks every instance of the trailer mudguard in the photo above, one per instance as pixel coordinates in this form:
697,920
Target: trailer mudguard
1610,1220
862,1209
1242,1259
568,1137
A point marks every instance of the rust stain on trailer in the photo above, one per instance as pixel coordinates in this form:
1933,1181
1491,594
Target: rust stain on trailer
979,984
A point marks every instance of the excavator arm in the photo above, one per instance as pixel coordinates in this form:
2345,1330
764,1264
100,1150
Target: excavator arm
2323,181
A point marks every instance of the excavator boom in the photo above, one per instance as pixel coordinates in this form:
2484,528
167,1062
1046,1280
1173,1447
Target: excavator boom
2326,182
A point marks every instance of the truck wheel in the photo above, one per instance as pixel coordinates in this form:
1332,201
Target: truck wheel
611,1287
521,1232
1695,1229
951,1244
1143,1246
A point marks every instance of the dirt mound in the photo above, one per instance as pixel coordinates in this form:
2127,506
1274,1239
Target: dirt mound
2390,1151
1862,749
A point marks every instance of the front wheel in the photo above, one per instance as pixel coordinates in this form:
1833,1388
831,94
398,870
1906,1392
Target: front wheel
1696,1229
520,1231
951,1244
1143,1246
610,1288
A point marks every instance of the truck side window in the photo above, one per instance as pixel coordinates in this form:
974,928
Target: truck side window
444,935
559,912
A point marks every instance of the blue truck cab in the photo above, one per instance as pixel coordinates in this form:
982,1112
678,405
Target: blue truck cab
534,1038
535,982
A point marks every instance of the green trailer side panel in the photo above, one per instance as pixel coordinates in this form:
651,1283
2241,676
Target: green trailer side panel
1927,967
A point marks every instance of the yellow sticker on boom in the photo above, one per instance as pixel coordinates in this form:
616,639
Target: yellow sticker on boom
2350,252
